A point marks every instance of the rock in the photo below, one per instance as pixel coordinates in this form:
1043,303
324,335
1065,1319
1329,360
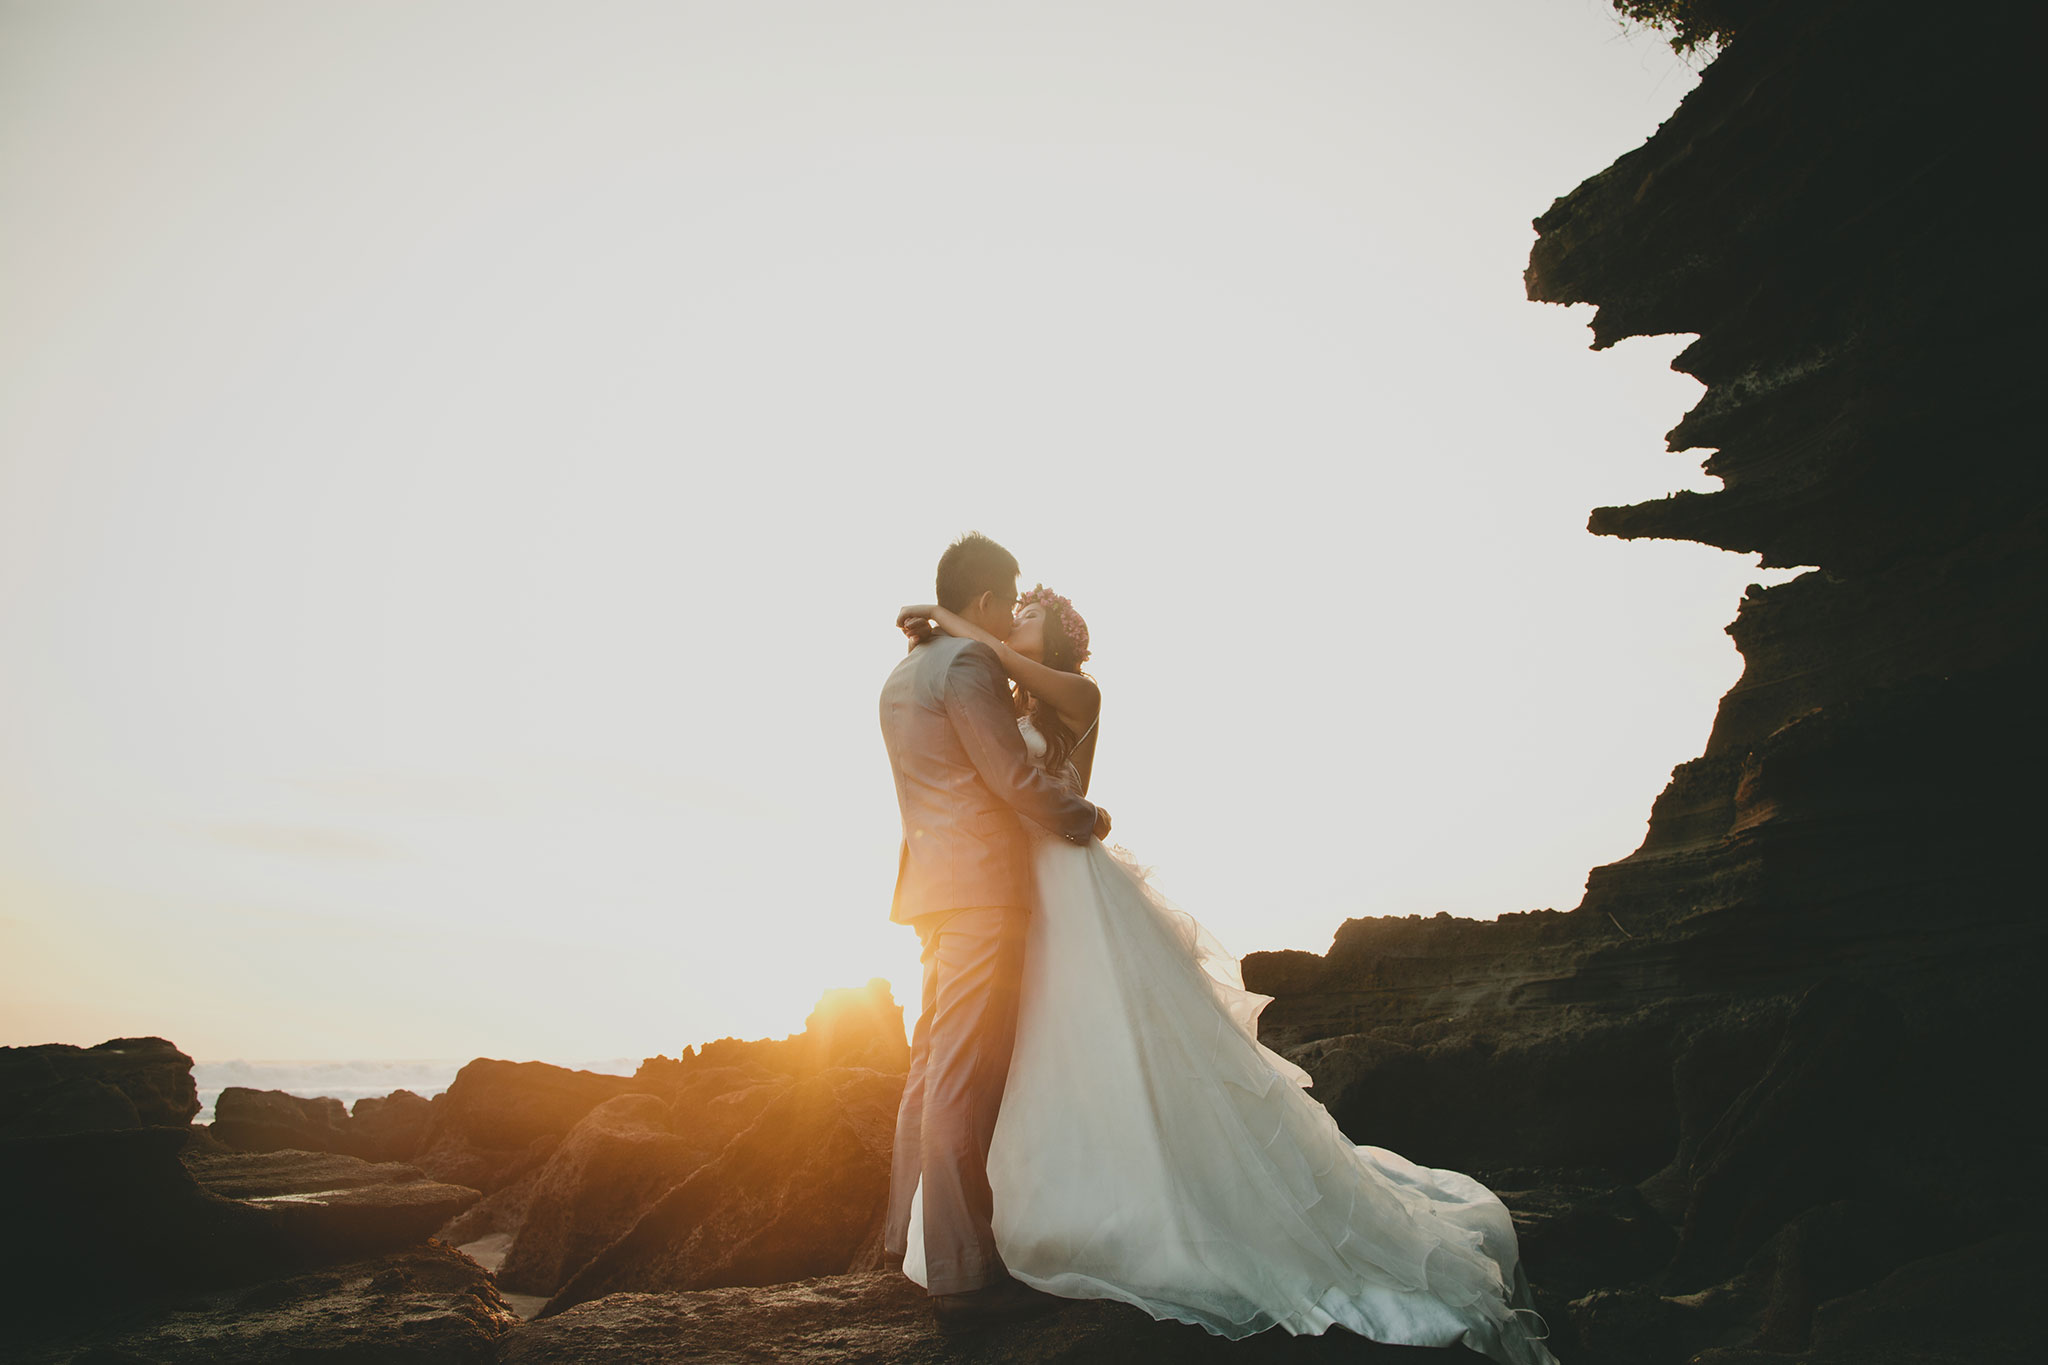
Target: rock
265,1175
1796,1138
1715,1063
1585,1091
121,1083
878,1317
1398,972
1795,1016
1823,1254
498,1214
269,1120
1806,212
426,1305
709,1106
390,1128
800,1193
499,1120
321,1225
714,1105
324,1206
607,1172
1943,1309
381,1129
1637,1326
94,1218
1584,1236
858,1026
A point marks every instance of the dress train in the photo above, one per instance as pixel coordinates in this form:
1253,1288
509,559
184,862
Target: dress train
1151,1150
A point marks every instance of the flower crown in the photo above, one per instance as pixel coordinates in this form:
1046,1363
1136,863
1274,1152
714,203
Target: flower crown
1070,620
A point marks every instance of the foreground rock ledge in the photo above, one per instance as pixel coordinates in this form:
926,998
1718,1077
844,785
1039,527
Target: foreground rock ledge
426,1305
880,1317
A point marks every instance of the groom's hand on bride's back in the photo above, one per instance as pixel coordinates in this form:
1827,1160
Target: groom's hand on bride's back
1101,823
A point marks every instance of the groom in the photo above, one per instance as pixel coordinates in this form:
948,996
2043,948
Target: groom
965,782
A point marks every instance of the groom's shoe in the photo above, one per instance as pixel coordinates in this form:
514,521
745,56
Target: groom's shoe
1003,1301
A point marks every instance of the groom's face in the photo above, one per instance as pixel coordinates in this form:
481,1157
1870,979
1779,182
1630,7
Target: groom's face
999,611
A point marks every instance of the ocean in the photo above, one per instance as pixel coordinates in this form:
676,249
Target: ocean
351,1081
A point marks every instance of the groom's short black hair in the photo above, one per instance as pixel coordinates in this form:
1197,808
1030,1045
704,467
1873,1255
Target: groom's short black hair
971,566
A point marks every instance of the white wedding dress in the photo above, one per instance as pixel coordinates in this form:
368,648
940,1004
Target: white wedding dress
1149,1149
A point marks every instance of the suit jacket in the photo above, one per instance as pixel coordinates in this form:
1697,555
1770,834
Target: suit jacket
963,778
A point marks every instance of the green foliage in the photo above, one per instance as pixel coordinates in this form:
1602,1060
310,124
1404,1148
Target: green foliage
1694,25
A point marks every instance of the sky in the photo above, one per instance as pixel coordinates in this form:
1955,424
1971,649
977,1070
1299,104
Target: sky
459,464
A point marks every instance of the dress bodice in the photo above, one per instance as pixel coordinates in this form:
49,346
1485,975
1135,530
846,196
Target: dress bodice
1067,775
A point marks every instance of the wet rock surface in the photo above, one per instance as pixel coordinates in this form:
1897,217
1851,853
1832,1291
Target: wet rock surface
322,1206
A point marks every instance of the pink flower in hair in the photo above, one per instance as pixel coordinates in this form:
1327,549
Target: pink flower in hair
1069,619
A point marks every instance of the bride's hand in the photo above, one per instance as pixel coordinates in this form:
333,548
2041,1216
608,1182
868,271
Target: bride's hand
920,623
916,622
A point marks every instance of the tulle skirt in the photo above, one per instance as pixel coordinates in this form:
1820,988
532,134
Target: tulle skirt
1151,1150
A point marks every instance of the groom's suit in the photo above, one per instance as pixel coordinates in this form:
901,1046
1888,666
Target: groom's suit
963,779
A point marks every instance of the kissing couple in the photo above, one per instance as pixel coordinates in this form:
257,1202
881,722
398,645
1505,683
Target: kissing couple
1089,1113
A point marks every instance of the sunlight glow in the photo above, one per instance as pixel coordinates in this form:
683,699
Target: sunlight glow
459,463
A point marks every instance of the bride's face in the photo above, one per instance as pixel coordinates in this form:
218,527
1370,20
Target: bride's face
1027,637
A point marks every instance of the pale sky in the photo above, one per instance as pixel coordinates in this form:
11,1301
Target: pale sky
459,463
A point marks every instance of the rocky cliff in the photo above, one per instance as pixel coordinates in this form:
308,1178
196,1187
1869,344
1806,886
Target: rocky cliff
1768,1062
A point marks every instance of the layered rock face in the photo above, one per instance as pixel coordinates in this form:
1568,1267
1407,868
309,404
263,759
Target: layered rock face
1787,1027
1830,213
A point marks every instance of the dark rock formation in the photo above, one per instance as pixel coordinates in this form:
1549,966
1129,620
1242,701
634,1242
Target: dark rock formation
321,1206
800,1194
426,1305
94,1216
880,1318
388,1129
500,1120
271,1120
1788,1025
121,1083
110,1198
97,1219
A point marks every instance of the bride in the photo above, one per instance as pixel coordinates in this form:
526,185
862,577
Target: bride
1149,1149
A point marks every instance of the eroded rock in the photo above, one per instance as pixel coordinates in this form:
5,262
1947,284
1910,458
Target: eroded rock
800,1193
388,1128
271,1120
611,1168
498,1120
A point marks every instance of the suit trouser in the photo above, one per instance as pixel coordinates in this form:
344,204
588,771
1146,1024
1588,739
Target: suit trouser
959,1062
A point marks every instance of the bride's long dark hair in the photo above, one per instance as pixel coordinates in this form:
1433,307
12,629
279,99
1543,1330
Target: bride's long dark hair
1060,741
